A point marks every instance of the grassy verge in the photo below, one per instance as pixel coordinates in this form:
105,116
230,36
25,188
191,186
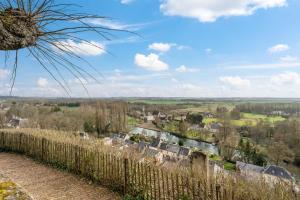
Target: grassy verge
9,190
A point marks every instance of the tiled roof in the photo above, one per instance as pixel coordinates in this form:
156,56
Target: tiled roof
163,146
249,167
151,152
278,171
173,148
183,151
155,142
142,146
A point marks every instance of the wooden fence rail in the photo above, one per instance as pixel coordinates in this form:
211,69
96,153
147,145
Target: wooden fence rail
124,175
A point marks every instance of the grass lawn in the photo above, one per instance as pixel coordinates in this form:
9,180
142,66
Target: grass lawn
229,166
249,119
171,127
215,158
271,119
133,121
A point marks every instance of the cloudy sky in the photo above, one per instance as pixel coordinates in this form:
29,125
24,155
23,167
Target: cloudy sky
190,48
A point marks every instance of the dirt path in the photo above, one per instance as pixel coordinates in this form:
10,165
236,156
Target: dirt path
42,182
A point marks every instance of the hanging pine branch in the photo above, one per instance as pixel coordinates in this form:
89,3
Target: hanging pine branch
42,27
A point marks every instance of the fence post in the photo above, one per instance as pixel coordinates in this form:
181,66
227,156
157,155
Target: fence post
126,176
76,159
43,149
1,141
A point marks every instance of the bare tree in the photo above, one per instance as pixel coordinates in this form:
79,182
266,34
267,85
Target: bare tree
102,118
2,120
279,152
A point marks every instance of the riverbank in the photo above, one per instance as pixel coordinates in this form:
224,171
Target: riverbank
151,126
171,138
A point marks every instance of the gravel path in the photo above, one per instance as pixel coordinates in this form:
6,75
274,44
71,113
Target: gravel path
45,183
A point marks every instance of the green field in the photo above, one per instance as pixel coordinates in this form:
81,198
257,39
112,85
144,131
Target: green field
162,101
249,119
133,121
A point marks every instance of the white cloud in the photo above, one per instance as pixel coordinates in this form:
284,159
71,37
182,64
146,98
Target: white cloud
82,48
279,48
126,1
235,82
211,10
288,58
182,47
150,62
42,82
286,78
80,81
161,47
4,73
183,69
266,65
112,24
208,50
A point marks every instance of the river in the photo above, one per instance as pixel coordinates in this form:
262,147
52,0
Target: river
172,139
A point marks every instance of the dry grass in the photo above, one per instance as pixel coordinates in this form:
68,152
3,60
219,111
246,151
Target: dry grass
91,159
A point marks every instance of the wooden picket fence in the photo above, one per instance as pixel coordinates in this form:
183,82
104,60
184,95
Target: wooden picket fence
125,175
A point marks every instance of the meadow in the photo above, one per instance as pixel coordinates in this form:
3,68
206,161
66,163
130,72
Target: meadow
249,119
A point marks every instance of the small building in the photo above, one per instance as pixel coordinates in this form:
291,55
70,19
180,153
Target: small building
149,118
162,116
172,150
155,143
142,146
184,152
119,138
279,113
108,141
248,170
163,146
84,135
153,154
279,172
17,122
195,127
271,173
214,127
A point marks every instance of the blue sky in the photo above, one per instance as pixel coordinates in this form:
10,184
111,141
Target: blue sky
191,48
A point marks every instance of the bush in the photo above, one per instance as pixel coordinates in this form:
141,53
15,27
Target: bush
229,166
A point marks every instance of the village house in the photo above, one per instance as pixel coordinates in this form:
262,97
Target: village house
162,116
271,173
142,146
118,139
207,115
84,135
195,127
184,152
279,172
17,122
107,141
153,154
149,118
172,151
213,127
249,170
279,113
155,143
